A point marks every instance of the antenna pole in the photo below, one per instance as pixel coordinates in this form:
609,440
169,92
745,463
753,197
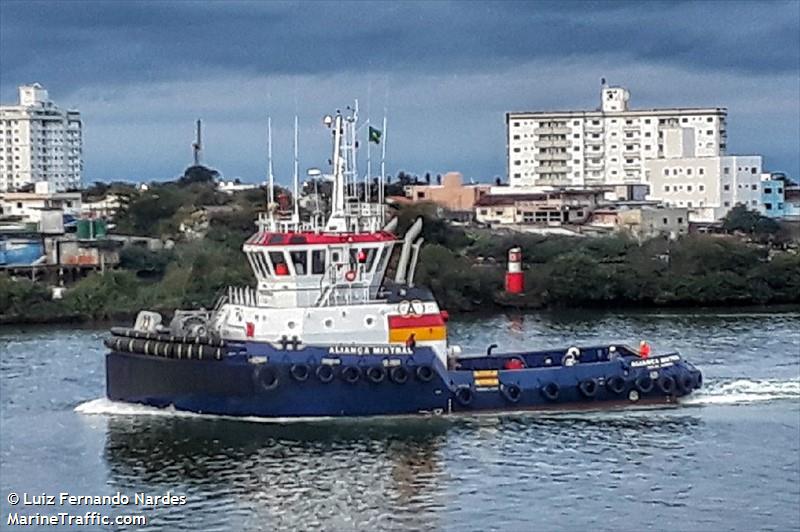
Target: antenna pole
384,136
197,146
270,192
368,178
296,168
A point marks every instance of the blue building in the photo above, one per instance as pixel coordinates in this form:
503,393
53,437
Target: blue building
773,202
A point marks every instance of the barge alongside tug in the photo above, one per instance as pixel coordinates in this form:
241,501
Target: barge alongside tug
325,333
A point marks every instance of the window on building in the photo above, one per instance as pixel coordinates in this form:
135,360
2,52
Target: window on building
576,148
666,171
727,187
684,120
688,171
516,124
576,123
665,220
516,150
646,120
701,187
754,187
576,135
726,170
768,206
666,188
701,171
516,137
484,211
680,219
688,188
754,170
709,119
727,204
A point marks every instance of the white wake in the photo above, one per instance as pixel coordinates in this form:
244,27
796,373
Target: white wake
745,391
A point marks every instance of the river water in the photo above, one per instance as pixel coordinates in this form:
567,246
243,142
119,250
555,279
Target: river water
727,460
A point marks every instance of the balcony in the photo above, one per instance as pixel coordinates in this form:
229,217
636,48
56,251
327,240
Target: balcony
560,143
552,156
595,128
552,169
631,128
632,166
594,142
554,130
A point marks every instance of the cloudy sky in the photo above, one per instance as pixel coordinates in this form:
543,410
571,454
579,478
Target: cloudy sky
446,72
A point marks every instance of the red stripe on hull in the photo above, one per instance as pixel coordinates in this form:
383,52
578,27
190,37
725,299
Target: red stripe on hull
428,320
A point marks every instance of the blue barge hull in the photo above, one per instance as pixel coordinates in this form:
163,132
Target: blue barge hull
259,380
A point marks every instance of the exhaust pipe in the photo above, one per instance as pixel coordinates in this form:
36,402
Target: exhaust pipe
402,265
390,226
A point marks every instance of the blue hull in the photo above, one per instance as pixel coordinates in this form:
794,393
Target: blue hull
259,380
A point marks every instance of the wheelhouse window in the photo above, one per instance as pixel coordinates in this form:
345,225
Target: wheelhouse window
279,264
299,261
318,261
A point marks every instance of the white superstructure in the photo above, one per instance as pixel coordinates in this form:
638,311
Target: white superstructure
39,142
607,146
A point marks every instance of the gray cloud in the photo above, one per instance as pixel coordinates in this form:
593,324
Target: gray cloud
142,71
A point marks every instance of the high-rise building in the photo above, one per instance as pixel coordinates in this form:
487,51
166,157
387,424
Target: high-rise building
607,146
39,142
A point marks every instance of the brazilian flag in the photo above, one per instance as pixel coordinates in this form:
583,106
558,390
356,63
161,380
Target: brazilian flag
375,135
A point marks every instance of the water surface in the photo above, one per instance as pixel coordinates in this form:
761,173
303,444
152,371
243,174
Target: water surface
727,460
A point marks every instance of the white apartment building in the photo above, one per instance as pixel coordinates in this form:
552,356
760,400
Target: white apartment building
39,142
608,146
708,186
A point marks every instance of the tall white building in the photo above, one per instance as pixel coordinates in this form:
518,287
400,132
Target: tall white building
607,146
39,142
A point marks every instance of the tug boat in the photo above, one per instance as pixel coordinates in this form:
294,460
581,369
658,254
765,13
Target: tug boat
326,333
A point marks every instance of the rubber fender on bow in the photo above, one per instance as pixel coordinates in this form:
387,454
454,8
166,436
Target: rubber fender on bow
687,383
511,392
325,373
266,378
424,373
398,374
464,395
644,384
588,387
666,384
376,374
300,372
550,391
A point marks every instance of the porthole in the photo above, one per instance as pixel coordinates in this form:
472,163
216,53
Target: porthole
369,321
291,324
328,323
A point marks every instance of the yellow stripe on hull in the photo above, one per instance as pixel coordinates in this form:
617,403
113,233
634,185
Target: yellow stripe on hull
484,373
482,383
421,334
